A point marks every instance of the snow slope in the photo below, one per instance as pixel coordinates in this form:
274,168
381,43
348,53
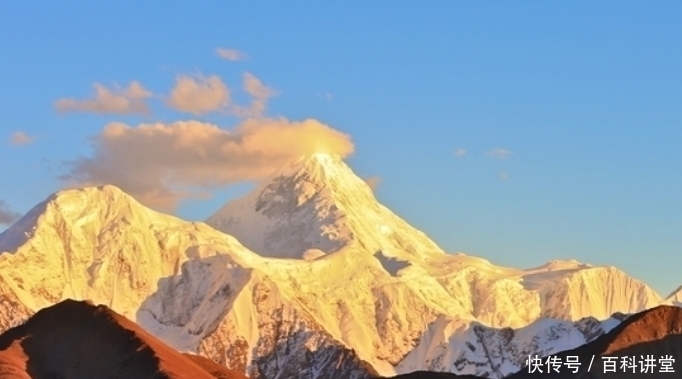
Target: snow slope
177,279
675,298
100,244
317,202
472,348
339,284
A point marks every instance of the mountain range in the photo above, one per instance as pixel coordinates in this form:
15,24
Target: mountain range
79,340
305,276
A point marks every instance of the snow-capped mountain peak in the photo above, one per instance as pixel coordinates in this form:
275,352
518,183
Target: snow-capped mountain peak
320,167
316,202
74,207
100,244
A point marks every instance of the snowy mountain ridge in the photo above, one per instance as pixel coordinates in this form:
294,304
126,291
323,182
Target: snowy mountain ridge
317,203
675,298
320,278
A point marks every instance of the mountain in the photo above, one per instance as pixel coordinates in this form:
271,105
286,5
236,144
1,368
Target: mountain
100,244
646,345
316,205
475,349
78,340
675,298
193,287
321,281
218,371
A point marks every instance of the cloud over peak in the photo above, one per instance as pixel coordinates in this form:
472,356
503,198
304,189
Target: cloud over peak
161,164
127,100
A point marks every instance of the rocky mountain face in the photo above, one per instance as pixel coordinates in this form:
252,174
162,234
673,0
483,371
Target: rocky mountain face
309,276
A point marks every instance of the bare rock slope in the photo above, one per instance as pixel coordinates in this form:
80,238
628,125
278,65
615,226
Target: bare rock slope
78,340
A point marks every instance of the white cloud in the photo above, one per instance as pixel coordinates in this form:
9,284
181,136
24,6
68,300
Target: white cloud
7,215
231,54
503,175
499,153
199,94
128,100
152,161
460,152
20,138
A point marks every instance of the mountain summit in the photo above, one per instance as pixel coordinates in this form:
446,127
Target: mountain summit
99,244
316,205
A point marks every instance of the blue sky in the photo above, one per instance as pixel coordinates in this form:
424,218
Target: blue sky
567,114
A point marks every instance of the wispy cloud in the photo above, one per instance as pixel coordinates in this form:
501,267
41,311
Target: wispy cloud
503,175
326,96
7,215
128,100
499,153
260,94
151,161
199,94
373,182
231,54
20,138
460,152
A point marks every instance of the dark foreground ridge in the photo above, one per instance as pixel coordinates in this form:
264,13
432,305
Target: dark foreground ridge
76,339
